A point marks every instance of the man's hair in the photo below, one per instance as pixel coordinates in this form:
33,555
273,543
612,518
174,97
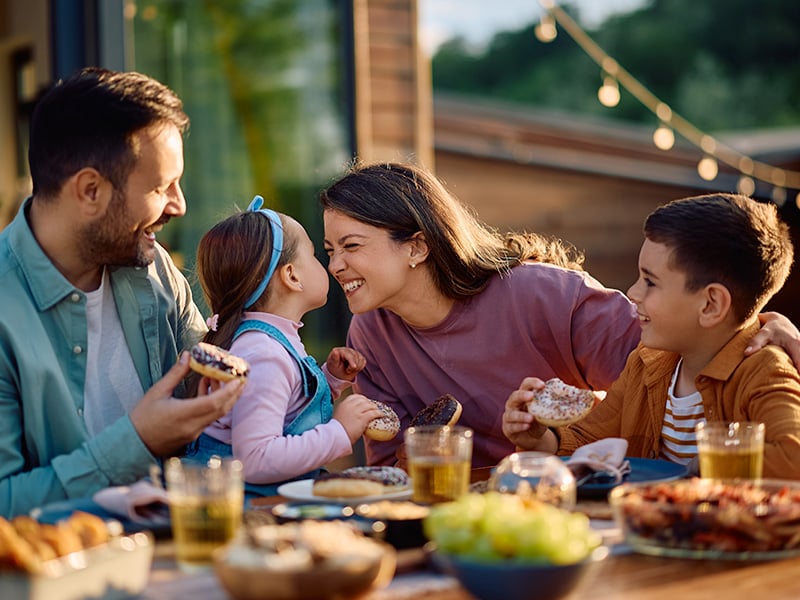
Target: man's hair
89,119
728,239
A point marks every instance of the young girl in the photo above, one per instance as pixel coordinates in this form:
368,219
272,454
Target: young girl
259,276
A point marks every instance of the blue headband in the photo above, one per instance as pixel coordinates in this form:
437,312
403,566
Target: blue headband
277,246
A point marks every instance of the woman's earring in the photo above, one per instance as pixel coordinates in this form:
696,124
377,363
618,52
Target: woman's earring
413,265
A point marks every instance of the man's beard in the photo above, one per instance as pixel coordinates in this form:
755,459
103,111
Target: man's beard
110,241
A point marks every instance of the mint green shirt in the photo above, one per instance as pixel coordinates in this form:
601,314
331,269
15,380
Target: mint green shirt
46,453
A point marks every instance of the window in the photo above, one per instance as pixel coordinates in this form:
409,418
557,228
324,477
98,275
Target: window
265,83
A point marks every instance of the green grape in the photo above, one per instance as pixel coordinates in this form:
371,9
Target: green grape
495,526
483,550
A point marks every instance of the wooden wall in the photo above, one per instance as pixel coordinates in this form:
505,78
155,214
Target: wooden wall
393,84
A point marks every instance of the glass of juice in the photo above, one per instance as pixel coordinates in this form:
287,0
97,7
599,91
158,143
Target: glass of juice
439,462
730,450
205,505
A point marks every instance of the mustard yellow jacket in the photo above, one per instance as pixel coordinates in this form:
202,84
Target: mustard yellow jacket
764,387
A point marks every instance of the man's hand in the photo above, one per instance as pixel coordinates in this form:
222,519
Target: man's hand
165,424
778,330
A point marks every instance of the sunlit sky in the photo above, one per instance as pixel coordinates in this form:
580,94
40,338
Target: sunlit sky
478,20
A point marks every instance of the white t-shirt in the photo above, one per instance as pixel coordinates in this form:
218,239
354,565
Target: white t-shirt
112,387
678,439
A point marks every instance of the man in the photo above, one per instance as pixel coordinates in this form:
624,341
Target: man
94,310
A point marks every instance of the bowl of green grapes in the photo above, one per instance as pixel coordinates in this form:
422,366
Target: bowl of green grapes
507,547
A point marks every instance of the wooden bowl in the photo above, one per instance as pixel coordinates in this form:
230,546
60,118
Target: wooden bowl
338,576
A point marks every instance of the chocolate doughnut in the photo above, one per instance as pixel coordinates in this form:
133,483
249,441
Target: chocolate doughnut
360,481
216,363
559,404
446,410
383,428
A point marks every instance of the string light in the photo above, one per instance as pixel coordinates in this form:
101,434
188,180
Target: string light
708,168
608,94
664,137
714,151
546,30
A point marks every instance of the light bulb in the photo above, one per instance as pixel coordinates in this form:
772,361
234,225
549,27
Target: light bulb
546,31
663,137
746,186
707,168
779,196
608,94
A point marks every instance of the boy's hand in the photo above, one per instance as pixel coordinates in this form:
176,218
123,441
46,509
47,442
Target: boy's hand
519,426
345,363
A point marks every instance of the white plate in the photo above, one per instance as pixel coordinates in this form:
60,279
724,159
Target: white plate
302,490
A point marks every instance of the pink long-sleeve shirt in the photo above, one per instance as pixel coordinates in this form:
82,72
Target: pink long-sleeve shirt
272,397
539,320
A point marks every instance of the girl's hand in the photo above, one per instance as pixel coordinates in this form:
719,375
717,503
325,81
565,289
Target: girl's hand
344,363
354,413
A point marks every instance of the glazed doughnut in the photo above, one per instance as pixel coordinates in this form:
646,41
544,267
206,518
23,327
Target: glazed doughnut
383,428
446,410
559,404
361,481
214,362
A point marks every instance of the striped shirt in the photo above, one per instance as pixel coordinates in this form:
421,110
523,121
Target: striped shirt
678,440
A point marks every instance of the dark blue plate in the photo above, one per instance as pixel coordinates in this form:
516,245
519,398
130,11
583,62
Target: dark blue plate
642,470
57,511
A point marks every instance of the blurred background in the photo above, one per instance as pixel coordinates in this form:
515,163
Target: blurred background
501,99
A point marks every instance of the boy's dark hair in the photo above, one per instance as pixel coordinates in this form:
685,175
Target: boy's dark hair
728,239
88,119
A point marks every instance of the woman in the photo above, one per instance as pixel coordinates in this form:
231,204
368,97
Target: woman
444,304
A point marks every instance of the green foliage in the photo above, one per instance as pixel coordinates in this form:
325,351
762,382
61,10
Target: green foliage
722,64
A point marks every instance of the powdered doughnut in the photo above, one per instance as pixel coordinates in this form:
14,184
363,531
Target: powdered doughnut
360,481
216,363
446,410
559,404
383,428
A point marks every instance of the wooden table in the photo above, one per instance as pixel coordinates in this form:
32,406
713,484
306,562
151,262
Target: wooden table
622,576
619,577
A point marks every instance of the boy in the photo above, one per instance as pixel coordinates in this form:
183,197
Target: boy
708,265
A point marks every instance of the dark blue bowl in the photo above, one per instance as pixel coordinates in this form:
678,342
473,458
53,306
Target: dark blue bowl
507,580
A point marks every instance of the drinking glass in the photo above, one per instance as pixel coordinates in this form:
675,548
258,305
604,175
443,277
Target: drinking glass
730,450
538,475
439,462
205,505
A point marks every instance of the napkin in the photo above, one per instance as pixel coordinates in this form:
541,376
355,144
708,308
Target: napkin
606,456
141,502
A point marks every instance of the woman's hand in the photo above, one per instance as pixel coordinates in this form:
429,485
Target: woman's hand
779,331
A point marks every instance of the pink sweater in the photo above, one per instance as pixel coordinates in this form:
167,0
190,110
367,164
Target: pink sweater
272,397
540,321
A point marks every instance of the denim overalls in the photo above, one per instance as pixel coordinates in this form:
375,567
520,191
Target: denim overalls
318,410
